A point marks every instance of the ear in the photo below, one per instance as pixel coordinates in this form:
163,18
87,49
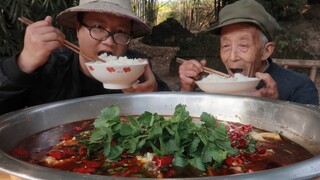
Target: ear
268,50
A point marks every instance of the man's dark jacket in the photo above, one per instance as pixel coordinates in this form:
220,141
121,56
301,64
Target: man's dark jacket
292,86
59,79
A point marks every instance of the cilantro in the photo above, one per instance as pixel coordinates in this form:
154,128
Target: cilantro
197,144
197,163
180,161
252,144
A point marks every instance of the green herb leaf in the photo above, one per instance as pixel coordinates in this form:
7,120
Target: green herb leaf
195,144
155,131
197,163
225,145
115,152
98,134
129,143
208,120
180,161
107,114
171,146
141,143
180,113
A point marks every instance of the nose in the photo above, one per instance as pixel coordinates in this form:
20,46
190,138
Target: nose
233,56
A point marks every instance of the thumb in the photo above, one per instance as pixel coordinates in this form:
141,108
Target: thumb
48,19
203,62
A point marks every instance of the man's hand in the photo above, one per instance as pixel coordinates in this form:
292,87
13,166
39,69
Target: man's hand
270,90
39,41
189,72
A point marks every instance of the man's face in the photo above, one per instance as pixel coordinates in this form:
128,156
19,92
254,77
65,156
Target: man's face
108,22
95,47
241,50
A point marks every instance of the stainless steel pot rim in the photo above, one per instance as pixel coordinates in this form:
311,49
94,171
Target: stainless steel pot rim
306,169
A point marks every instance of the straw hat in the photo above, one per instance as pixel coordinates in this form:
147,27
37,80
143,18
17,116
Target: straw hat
247,11
68,17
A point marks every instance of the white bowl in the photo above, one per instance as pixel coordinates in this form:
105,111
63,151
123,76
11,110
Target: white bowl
116,76
229,87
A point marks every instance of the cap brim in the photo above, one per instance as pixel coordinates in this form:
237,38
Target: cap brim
68,18
215,29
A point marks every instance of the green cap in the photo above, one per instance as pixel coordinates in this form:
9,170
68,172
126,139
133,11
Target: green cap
247,11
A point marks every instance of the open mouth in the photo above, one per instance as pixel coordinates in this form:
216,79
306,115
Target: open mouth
236,70
104,52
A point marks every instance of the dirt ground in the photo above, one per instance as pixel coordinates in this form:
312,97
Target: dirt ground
160,58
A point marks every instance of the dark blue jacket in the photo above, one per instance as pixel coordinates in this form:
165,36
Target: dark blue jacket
292,86
59,79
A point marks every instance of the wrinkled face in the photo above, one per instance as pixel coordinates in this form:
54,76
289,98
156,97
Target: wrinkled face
108,22
241,50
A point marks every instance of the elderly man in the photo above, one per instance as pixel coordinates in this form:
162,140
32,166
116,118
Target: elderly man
247,32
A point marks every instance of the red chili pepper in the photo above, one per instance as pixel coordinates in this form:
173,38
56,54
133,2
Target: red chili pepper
261,150
134,169
82,150
84,170
170,173
124,161
239,136
257,157
66,136
78,128
233,161
67,152
61,153
246,128
57,154
162,161
92,164
20,153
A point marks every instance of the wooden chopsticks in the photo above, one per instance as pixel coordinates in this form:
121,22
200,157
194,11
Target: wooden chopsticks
206,69
67,43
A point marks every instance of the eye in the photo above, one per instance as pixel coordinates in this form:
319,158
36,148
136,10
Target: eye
225,46
98,26
244,47
122,31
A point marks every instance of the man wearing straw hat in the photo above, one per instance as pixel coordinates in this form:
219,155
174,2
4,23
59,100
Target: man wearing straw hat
247,32
45,71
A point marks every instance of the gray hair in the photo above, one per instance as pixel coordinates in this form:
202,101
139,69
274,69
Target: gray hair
263,39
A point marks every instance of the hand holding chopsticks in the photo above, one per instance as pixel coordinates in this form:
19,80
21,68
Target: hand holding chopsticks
206,69
67,43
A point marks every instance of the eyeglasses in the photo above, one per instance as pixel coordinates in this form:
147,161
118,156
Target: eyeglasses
101,34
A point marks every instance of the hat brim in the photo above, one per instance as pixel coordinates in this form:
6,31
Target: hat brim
216,29
68,18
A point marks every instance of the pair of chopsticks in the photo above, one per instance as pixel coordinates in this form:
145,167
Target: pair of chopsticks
67,43
206,69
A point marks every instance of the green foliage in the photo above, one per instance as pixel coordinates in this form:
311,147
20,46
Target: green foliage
292,46
12,31
284,9
199,144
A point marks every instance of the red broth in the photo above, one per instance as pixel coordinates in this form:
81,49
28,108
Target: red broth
72,157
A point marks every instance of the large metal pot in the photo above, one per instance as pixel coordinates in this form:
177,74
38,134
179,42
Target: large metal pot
298,122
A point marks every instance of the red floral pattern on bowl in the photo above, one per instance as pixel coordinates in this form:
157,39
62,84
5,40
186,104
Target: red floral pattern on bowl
116,76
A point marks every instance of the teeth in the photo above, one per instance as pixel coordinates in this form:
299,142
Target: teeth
236,71
104,52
